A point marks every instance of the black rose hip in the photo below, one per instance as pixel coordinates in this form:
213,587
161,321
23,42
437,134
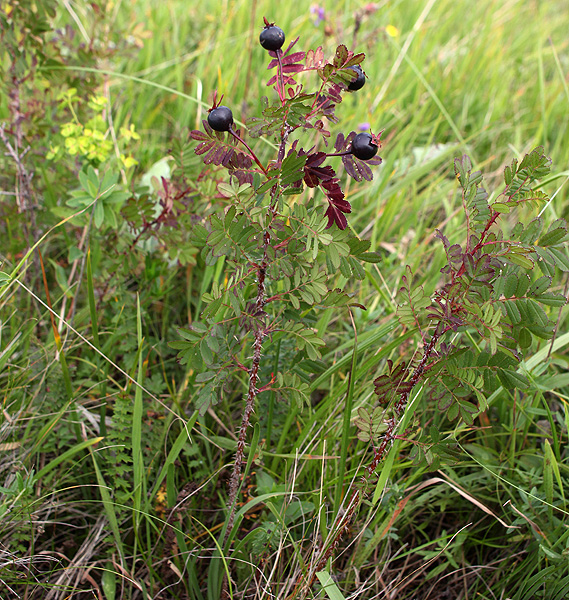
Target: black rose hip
363,146
272,38
220,118
358,83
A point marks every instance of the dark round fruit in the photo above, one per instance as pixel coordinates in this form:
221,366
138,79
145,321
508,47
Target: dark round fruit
358,83
363,147
272,38
220,118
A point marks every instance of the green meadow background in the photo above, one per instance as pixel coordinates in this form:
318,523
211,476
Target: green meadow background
112,485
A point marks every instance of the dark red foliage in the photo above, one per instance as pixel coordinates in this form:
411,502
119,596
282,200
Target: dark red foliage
292,64
326,179
314,174
337,204
221,152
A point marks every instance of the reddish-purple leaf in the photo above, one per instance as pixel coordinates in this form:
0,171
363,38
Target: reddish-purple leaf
338,205
356,168
336,215
335,93
207,127
293,69
335,194
204,147
349,165
314,174
314,58
344,143
212,155
198,135
226,161
316,159
241,161
339,145
294,57
288,60
286,80
243,177
273,54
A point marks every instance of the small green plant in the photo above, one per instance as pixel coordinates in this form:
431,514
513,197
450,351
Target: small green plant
91,141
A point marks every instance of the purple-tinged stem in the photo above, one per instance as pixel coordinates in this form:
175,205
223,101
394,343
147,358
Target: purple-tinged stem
253,392
281,78
340,153
253,155
344,520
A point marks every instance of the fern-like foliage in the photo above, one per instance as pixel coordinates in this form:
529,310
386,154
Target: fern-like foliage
218,149
493,305
120,440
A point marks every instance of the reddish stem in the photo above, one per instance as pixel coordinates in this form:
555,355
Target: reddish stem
281,92
344,520
240,452
340,153
253,155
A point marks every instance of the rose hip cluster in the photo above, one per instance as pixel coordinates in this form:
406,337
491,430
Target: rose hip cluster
272,38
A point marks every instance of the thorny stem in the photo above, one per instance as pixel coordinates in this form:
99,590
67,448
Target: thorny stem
494,217
285,132
344,519
249,406
491,222
253,391
260,334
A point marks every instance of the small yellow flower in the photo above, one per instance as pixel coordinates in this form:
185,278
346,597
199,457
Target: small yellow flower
72,146
71,130
392,31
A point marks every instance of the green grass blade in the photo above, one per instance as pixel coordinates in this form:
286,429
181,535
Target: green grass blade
107,504
346,428
137,459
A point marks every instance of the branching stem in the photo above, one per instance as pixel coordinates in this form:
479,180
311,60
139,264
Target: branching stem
345,518
253,155
253,390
